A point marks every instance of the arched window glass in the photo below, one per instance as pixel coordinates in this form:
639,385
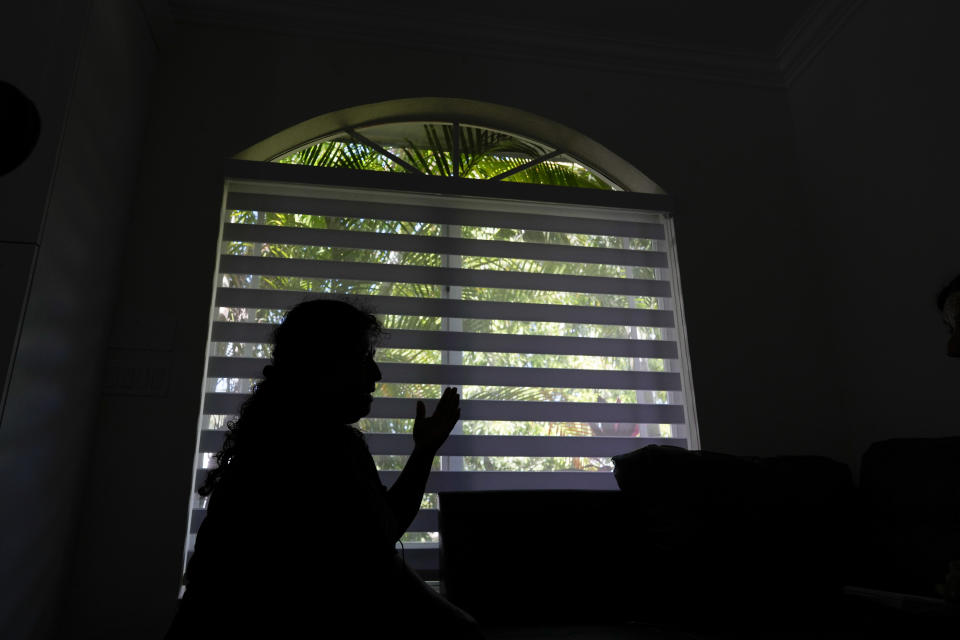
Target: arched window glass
448,149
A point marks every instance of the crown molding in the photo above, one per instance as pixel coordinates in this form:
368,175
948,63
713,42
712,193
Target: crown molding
811,34
454,34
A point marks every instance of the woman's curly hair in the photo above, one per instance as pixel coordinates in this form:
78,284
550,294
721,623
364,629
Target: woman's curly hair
310,333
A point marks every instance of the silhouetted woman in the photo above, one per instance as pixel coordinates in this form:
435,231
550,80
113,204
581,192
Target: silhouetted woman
299,534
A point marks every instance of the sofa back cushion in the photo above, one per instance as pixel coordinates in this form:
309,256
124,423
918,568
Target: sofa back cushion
910,489
743,535
546,556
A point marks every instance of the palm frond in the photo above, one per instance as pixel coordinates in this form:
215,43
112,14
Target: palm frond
558,174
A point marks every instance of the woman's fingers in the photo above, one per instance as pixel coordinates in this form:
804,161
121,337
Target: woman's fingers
449,397
448,409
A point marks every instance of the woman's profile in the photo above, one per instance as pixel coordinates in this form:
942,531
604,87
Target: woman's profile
300,533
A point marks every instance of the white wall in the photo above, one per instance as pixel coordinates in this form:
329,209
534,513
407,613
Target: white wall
876,122
49,31
87,66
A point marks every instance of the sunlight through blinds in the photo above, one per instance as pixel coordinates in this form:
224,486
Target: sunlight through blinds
559,323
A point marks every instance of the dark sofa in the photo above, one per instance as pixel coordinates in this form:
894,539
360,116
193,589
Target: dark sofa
909,524
703,540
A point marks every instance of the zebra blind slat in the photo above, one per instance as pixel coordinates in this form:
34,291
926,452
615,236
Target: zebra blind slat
589,412
260,332
425,520
237,367
440,215
512,480
533,446
401,305
473,445
440,244
365,271
500,480
425,560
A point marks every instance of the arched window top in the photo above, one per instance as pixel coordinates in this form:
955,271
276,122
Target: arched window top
408,124
448,149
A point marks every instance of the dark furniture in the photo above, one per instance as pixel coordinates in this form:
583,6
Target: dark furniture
910,514
534,556
708,542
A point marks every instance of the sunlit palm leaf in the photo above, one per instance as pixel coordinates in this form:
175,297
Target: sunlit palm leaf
558,174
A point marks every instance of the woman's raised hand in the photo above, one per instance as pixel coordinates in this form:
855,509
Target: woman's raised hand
430,433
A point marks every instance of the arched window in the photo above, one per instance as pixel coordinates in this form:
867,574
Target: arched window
449,149
502,264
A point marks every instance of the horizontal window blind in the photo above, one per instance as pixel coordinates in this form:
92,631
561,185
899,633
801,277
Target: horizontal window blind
559,323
